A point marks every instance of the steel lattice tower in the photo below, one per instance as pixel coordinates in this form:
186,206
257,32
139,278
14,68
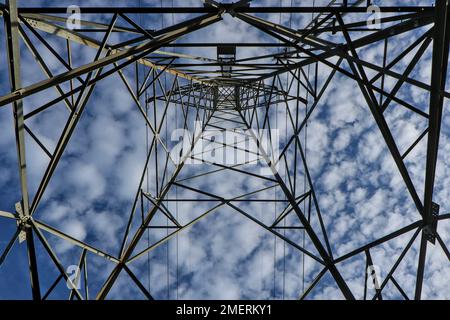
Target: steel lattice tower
172,89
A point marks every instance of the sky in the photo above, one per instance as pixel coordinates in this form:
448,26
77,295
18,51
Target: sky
224,256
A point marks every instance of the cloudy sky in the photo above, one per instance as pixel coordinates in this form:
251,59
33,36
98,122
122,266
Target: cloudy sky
226,255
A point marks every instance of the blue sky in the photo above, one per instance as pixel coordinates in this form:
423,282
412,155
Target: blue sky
225,256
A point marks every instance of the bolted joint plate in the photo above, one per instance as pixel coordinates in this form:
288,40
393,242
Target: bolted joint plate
22,222
430,230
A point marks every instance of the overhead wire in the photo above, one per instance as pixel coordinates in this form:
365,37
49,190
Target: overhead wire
141,70
305,152
167,203
176,202
275,190
286,171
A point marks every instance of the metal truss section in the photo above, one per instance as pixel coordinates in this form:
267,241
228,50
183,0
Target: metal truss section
171,86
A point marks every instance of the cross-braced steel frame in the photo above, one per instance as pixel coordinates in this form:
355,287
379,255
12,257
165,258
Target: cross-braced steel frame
214,95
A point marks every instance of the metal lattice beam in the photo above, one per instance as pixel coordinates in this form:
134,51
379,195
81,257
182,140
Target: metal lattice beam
216,94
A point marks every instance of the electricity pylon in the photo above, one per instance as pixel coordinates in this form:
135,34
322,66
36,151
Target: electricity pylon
212,96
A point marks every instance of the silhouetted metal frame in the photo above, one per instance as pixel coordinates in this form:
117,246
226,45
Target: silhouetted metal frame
249,74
